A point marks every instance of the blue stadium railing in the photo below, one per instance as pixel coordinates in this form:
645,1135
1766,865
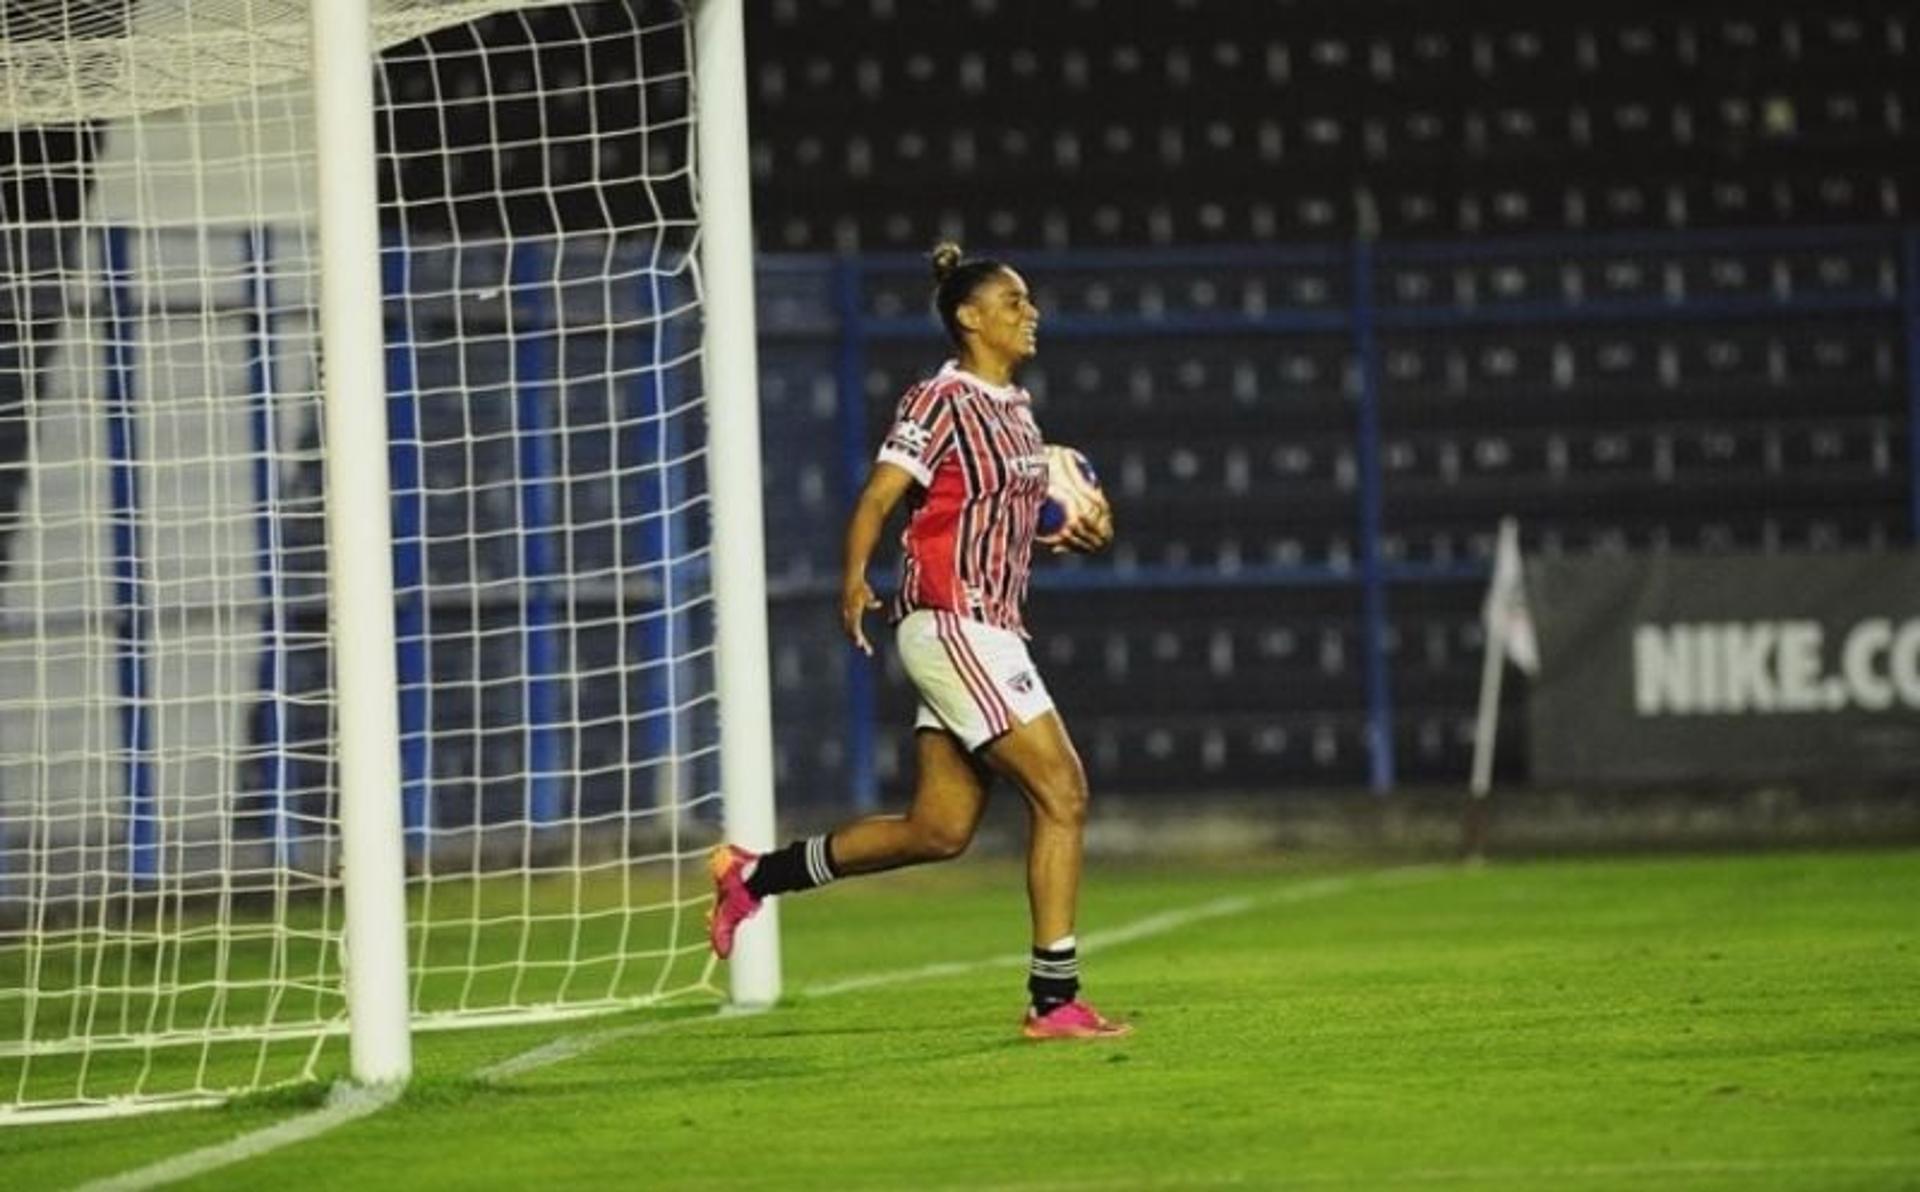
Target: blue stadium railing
821,302
843,321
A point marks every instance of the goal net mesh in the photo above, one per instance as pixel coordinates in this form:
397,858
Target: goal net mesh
170,902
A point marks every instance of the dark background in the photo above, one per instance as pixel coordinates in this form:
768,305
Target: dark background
1329,289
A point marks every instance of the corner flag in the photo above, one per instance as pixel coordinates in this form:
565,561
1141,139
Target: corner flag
1509,636
1504,613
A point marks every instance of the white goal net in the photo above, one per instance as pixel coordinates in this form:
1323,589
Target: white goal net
171,914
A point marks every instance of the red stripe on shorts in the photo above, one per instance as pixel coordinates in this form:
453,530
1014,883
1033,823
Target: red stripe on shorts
960,652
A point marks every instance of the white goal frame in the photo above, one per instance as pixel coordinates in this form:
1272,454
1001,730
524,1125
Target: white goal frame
362,593
358,504
733,380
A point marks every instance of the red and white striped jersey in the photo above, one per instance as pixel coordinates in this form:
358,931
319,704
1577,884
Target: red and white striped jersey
977,453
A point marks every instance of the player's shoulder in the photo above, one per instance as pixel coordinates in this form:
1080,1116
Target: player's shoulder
935,389
957,384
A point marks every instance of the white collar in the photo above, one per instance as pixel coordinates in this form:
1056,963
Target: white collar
1004,392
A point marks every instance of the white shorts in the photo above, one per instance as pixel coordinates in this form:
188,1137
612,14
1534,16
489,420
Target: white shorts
975,681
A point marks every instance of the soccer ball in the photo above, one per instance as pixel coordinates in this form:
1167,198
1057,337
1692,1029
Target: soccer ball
1073,491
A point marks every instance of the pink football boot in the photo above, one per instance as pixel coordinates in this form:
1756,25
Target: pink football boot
1072,1020
733,903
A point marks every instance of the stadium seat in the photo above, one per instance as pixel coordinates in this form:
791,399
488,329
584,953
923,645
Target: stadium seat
1760,410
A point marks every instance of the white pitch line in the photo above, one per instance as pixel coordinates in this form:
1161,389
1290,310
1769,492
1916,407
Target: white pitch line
348,1103
1139,929
1094,941
568,1046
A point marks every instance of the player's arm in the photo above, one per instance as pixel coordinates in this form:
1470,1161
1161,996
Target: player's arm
885,486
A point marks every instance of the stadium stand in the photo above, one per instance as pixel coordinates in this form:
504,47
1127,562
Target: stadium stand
1116,122
1634,329
1632,270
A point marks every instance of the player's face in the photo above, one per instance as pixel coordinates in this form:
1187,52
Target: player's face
1008,321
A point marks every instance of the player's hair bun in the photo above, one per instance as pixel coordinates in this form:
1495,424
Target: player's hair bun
955,278
944,258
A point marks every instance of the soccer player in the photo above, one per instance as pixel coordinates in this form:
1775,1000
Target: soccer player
966,455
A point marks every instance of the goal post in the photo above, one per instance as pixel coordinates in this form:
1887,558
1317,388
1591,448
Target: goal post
359,499
382,610
733,379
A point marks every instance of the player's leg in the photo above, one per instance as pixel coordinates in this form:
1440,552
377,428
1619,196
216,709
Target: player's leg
981,684
1039,757
950,793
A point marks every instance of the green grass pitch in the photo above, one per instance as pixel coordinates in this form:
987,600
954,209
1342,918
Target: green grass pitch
1700,1023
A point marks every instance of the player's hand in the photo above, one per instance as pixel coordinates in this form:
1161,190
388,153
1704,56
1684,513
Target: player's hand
856,601
1088,534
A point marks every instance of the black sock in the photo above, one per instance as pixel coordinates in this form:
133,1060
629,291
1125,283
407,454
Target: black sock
1053,979
801,865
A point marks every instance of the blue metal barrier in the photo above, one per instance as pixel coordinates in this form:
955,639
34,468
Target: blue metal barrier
534,427
123,453
1373,582
850,369
1360,319
653,507
270,714
645,550
409,547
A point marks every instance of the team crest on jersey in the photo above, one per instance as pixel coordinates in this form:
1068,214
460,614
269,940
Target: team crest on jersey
909,438
1022,683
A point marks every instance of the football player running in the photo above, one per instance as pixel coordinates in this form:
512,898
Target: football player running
966,456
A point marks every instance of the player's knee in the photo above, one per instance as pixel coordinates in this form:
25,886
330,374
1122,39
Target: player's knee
1071,807
944,842
941,840
1060,793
